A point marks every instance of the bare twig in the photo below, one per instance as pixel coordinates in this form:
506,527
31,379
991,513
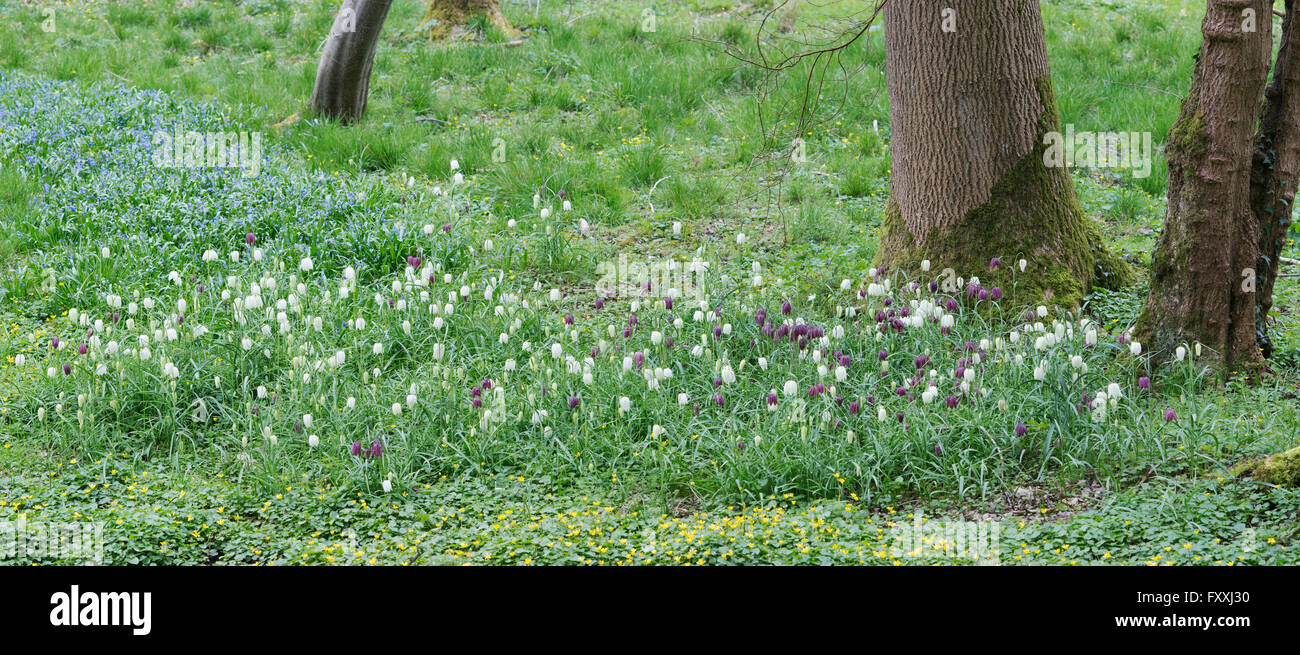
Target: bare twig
656,185
577,18
1143,86
714,110
652,192
773,56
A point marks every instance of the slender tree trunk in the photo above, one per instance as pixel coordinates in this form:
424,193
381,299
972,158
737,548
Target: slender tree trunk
343,76
971,103
1203,278
1275,168
451,14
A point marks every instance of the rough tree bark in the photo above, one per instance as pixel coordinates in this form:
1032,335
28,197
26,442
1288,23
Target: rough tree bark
1203,285
343,75
1275,168
969,110
451,14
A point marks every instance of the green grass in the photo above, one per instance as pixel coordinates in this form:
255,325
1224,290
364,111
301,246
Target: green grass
573,94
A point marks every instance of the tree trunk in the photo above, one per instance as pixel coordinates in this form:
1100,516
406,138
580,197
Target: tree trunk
1203,280
343,76
1275,169
452,14
970,109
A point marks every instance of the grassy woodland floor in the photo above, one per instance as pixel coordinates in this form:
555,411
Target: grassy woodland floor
355,357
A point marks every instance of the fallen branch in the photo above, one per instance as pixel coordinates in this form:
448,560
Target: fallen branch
714,110
652,192
577,18
656,185
1143,86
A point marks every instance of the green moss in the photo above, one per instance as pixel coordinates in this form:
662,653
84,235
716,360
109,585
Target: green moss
1109,270
1033,213
1188,141
1188,135
1281,469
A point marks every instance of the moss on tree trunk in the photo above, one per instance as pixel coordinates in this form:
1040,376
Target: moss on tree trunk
1281,469
1204,275
451,17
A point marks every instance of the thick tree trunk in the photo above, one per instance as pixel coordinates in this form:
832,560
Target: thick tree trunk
452,14
970,107
343,76
1275,168
1203,280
